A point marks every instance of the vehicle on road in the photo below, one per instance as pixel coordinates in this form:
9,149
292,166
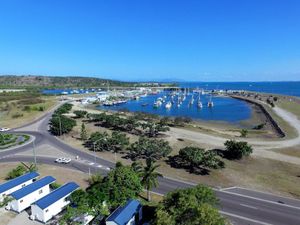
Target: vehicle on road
4,129
63,160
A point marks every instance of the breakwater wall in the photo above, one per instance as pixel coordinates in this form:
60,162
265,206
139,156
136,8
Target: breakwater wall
270,119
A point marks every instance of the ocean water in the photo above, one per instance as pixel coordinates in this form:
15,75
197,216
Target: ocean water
285,88
224,109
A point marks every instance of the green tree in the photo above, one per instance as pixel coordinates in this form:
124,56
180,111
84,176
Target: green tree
80,113
83,132
149,148
244,133
121,184
152,129
99,140
237,150
196,157
60,124
137,167
149,176
118,141
95,179
193,206
16,172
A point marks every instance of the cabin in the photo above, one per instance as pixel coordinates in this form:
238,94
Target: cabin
24,197
52,204
16,184
129,214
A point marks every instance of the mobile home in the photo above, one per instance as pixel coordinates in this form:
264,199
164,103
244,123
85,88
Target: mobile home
129,214
16,184
26,196
52,204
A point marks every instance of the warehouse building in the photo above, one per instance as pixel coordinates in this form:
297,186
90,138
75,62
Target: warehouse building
52,204
16,184
24,197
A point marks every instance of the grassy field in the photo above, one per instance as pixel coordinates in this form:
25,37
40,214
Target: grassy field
15,113
256,173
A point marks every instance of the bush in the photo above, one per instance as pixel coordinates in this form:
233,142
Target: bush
237,150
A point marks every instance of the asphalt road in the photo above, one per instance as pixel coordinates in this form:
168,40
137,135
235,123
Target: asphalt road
242,206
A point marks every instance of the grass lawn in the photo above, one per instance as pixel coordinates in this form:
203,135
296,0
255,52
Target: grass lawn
13,113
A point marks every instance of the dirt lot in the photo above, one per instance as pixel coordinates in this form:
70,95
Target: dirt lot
62,175
12,114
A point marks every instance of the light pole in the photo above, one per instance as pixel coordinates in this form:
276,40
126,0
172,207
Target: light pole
94,151
34,154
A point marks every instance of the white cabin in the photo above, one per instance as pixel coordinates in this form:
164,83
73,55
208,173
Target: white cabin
24,197
52,204
16,184
129,214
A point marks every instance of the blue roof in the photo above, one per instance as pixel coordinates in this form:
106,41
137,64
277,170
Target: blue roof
124,213
57,194
32,187
17,181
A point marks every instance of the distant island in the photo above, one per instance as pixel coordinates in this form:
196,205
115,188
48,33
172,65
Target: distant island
33,81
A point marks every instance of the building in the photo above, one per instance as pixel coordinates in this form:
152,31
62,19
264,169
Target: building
16,184
129,214
52,204
27,195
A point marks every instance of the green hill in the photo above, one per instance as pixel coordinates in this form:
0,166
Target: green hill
11,81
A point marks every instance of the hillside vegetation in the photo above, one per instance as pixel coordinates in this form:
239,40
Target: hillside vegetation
10,81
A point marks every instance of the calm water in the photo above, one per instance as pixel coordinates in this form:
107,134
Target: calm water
225,109
285,88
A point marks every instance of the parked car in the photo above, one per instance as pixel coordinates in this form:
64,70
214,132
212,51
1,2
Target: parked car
4,129
63,160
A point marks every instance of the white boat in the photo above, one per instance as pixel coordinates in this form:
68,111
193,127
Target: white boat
210,102
168,105
157,104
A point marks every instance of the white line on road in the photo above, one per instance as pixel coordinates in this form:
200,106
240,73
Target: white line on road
248,206
244,218
262,200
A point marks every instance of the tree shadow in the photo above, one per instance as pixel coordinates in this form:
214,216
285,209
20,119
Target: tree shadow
176,162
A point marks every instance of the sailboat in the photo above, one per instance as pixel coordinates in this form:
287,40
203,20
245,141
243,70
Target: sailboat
210,102
168,105
199,104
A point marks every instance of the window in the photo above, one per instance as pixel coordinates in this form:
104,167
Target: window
41,191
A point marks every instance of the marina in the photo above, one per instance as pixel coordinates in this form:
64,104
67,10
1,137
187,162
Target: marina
196,105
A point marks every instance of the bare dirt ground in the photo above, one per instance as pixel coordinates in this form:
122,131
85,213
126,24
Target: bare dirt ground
62,175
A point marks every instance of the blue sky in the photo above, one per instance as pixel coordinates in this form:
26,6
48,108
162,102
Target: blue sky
201,40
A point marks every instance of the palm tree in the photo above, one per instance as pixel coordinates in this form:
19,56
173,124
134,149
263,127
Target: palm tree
149,176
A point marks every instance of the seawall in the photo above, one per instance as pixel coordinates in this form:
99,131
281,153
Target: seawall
270,119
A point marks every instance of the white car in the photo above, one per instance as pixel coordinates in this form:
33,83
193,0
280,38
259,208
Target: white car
4,129
63,160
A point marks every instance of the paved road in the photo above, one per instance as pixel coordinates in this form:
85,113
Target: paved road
241,206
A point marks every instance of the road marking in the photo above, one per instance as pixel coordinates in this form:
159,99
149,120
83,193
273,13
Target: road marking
229,188
244,218
91,163
267,194
262,200
99,166
248,206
